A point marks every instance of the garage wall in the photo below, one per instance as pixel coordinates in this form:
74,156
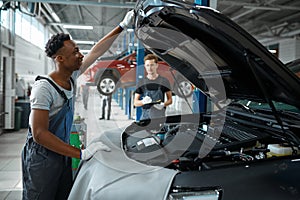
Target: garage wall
289,50
30,59
298,49
4,53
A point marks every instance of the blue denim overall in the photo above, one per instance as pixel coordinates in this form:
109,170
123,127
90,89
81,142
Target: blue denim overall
46,174
152,112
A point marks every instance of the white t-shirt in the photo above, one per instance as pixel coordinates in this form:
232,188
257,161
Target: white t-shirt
45,97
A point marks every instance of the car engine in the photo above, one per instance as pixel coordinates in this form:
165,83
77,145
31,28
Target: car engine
188,146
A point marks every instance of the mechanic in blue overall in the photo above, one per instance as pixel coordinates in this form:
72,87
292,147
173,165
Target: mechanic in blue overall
151,91
46,156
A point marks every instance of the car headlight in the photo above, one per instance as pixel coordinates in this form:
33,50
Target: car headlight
213,194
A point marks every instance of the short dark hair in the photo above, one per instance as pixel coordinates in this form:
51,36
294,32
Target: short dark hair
151,57
55,43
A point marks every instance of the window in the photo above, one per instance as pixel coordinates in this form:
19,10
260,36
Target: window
30,29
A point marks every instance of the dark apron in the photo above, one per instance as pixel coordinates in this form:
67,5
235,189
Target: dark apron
46,174
152,112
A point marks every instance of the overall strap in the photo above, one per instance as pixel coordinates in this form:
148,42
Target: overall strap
144,83
62,94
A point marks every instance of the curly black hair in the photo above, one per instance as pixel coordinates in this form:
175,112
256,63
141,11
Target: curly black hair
55,43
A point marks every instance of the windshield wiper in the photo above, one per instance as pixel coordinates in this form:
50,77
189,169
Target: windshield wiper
240,105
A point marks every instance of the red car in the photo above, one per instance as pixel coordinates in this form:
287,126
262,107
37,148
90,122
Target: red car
108,75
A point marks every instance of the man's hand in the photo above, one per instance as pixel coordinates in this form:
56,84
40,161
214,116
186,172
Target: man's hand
146,100
159,106
127,19
92,149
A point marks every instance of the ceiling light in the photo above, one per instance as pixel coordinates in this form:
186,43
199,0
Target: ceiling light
70,26
84,42
55,17
273,50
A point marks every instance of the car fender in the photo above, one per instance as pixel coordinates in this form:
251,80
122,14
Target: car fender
107,71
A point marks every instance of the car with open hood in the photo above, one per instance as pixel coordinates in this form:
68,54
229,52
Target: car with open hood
242,144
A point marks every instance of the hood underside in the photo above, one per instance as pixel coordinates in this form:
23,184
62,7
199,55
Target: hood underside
214,53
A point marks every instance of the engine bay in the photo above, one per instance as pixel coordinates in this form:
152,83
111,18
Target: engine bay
189,146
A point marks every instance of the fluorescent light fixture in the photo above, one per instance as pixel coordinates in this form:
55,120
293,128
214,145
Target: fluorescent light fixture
71,26
262,8
84,42
55,17
273,50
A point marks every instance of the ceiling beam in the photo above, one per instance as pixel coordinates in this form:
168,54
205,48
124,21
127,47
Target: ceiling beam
263,8
85,3
78,8
242,14
260,28
97,21
258,6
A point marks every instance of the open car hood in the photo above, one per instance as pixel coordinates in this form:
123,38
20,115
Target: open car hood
214,53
